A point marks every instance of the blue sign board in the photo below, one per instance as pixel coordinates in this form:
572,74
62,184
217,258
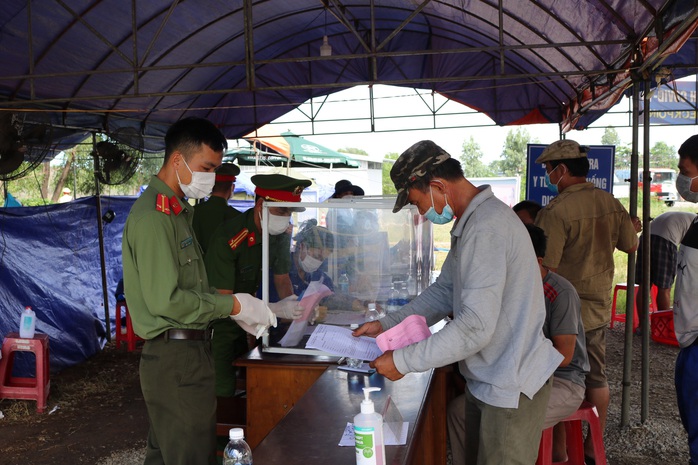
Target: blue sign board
601,163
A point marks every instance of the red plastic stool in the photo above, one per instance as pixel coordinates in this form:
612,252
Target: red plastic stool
620,317
575,438
12,387
125,335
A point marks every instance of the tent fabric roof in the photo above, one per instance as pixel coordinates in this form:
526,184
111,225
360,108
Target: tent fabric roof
103,64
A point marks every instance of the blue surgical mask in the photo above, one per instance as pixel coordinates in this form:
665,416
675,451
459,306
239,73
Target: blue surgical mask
444,217
552,187
683,185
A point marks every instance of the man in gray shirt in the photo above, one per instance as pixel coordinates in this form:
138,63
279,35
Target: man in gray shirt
496,333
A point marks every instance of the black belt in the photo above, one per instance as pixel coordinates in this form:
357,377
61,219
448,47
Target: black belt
186,334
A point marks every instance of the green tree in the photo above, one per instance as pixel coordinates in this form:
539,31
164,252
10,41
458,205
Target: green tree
513,158
663,155
471,157
610,137
388,187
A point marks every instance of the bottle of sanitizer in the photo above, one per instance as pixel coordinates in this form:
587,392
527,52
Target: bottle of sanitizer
27,323
368,432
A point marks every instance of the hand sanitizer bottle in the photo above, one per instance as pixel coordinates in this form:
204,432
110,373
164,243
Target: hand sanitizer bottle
368,432
27,323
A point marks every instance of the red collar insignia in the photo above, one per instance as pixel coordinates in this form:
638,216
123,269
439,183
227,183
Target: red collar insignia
163,204
175,205
236,240
251,240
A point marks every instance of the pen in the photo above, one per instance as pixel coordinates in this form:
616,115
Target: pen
341,360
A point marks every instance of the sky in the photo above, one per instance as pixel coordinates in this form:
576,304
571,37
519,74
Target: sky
401,114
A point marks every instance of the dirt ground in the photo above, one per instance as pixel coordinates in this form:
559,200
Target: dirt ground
100,411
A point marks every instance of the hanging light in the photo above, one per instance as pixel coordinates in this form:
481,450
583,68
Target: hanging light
325,48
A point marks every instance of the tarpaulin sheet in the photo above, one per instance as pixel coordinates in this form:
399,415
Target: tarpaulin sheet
50,260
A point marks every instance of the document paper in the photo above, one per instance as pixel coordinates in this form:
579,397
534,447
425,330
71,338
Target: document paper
339,341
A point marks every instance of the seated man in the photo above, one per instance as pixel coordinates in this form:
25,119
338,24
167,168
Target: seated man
563,326
314,244
527,210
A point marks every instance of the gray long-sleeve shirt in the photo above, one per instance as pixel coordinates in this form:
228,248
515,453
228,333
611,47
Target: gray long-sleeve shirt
491,282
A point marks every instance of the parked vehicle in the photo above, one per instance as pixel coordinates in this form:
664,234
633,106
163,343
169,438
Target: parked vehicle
663,184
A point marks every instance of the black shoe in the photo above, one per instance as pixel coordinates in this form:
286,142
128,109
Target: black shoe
589,460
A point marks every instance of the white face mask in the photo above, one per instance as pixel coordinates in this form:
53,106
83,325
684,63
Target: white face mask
201,183
310,263
683,185
277,224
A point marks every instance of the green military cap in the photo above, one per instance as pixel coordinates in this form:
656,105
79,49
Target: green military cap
315,236
279,187
414,163
227,172
562,150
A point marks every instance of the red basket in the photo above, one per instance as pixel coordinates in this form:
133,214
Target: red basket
662,324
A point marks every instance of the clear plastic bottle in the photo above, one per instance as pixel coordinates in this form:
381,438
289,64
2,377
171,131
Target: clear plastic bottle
368,432
343,283
393,303
403,297
27,323
237,452
372,314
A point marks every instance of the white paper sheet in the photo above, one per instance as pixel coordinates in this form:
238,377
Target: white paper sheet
339,341
313,294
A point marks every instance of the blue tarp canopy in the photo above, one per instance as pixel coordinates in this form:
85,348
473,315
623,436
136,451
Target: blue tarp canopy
101,65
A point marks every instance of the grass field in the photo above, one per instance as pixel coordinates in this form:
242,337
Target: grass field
442,240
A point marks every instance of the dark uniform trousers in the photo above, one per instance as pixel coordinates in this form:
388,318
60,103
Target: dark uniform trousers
177,379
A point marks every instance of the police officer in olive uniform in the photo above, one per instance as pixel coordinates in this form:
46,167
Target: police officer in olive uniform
171,303
210,214
234,264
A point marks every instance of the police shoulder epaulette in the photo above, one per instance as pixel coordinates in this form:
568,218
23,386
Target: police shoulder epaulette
237,239
163,204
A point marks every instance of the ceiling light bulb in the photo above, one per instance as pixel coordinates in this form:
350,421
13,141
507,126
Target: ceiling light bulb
325,48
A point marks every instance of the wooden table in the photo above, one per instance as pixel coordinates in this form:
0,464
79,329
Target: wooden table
275,382
309,434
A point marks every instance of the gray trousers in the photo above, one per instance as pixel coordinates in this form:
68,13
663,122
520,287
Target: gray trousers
177,380
482,434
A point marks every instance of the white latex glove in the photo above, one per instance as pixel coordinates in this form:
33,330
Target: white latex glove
288,308
254,317
314,315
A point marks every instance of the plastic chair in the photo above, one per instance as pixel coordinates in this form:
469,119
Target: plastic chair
575,438
37,388
620,317
125,334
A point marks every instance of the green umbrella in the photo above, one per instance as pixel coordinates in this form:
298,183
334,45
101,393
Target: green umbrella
277,150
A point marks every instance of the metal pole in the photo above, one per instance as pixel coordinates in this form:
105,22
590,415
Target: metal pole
630,300
102,261
646,228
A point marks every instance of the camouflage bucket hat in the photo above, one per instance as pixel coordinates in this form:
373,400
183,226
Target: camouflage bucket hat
315,236
414,163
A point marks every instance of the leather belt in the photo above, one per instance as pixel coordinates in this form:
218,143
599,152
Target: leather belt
186,334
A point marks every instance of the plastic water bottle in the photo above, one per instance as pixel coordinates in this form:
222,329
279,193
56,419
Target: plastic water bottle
411,286
372,314
27,323
343,283
237,452
403,297
393,303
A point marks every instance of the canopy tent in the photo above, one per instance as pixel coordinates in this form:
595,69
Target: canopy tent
99,66
269,148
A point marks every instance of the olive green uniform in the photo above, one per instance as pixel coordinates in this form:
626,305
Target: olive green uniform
167,286
234,262
208,216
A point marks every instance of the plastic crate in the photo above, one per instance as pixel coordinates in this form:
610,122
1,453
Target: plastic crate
662,324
